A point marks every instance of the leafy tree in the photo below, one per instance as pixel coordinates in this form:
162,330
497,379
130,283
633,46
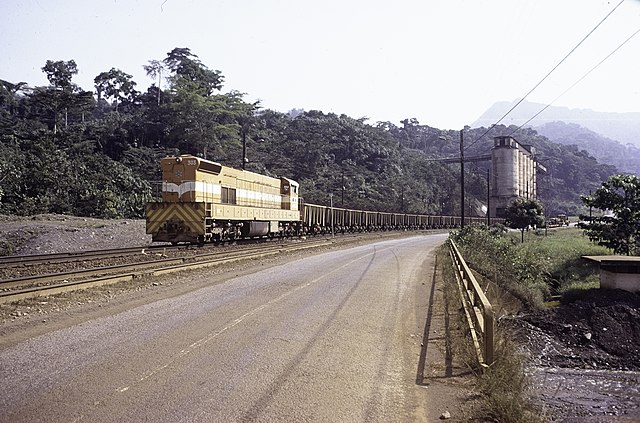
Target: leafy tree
619,228
117,85
10,172
207,125
153,120
84,168
190,74
60,73
62,97
524,213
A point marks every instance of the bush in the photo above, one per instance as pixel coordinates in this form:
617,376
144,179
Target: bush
45,177
492,253
532,271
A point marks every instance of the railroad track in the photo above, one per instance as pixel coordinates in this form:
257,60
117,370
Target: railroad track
68,257
15,289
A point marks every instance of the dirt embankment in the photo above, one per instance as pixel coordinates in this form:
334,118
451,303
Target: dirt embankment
585,357
49,233
599,331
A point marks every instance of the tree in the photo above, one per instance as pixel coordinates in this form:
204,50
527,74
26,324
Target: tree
59,74
115,84
10,105
62,97
619,227
190,74
524,213
153,69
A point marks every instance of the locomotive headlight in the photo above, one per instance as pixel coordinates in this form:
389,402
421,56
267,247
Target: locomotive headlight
178,159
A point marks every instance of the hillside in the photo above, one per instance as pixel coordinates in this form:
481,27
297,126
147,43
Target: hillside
622,127
65,151
625,157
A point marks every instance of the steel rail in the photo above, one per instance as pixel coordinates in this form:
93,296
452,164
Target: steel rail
6,284
71,256
113,274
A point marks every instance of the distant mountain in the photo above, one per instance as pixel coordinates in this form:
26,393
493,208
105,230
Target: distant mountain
625,157
622,127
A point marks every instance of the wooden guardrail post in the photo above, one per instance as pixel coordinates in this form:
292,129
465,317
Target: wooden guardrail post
478,309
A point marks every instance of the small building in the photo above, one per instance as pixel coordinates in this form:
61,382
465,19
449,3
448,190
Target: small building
513,170
618,272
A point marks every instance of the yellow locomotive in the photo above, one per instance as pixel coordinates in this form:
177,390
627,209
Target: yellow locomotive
206,201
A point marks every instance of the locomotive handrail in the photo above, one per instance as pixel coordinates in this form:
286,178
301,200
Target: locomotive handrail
478,309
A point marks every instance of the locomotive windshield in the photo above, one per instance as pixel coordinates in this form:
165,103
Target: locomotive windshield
210,167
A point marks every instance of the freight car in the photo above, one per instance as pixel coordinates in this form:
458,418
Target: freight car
205,201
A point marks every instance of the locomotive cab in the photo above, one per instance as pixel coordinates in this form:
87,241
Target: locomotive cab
289,191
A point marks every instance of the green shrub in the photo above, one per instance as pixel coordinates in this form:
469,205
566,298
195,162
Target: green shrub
534,270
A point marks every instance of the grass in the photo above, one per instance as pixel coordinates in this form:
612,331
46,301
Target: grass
503,386
561,254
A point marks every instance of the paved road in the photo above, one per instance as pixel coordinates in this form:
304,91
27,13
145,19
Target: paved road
329,338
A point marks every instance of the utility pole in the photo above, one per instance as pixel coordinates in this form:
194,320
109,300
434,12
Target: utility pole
462,179
489,196
342,189
244,130
244,148
333,234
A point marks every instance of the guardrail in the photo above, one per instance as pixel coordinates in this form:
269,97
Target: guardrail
477,308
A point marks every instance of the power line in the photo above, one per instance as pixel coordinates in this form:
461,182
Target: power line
546,76
578,81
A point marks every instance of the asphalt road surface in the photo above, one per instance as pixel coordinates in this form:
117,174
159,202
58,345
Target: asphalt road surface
334,337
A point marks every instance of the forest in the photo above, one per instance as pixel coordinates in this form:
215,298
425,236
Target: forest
96,153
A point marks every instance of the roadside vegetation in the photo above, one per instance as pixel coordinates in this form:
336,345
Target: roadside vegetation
518,276
546,265
501,387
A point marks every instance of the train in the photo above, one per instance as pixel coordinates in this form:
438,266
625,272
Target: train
203,201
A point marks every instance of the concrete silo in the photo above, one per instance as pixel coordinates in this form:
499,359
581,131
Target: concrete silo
513,170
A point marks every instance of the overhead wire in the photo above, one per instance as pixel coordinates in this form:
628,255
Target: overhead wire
545,77
578,81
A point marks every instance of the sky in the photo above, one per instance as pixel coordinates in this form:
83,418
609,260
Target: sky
442,62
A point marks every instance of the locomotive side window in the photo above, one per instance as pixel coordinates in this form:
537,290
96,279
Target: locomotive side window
228,195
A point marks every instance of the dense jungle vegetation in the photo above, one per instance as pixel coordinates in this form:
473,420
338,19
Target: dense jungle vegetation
95,153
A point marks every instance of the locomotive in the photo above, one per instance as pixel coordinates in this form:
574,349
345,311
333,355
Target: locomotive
204,201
